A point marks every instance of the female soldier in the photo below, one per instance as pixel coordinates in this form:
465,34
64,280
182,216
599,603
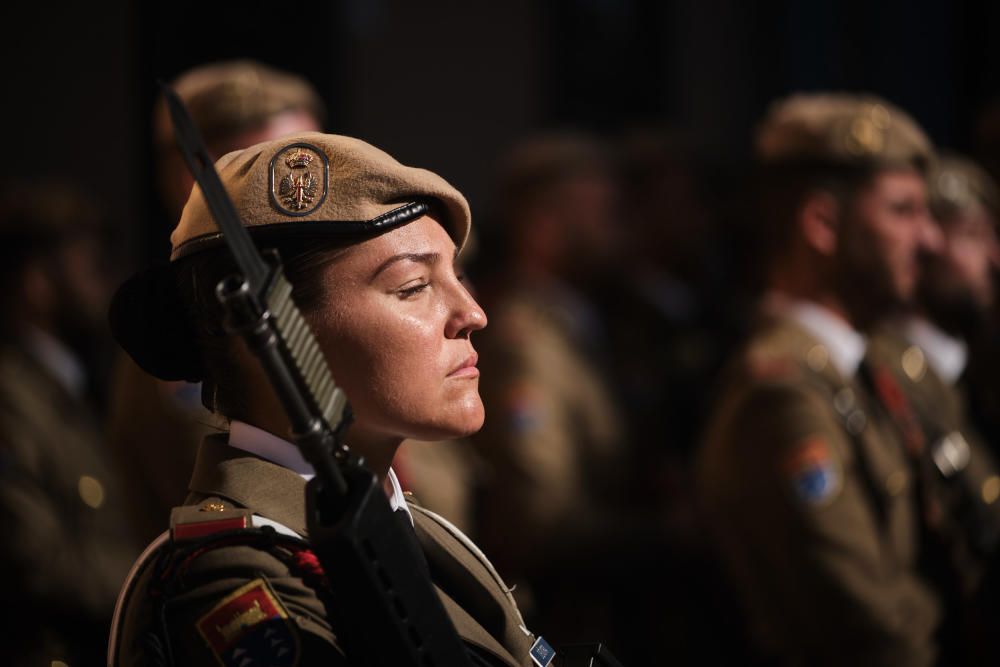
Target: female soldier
369,246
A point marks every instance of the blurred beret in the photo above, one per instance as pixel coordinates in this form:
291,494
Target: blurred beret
307,184
230,97
538,163
841,129
957,184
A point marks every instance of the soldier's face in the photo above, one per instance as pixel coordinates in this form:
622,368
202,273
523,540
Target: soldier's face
886,233
395,325
962,276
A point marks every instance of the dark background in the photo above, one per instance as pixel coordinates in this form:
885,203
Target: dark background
449,84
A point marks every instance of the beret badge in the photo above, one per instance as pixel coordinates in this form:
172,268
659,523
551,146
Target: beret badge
299,179
866,133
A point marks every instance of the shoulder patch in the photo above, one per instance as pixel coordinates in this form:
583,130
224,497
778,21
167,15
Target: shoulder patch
814,474
525,409
250,627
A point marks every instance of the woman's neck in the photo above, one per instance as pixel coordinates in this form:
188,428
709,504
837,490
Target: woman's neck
376,449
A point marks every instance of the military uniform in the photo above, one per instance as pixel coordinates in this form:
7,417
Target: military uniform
259,596
67,543
812,498
552,438
962,513
964,472
229,483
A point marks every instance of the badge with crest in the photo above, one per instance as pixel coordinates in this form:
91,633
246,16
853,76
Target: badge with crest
299,179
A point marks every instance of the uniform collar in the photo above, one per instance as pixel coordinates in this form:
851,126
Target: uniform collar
946,355
845,345
277,450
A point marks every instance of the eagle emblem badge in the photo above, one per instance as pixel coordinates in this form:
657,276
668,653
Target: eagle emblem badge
298,179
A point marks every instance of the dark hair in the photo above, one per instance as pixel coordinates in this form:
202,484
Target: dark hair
782,188
224,385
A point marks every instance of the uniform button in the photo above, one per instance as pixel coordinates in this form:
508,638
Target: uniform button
914,364
212,507
91,491
817,357
843,401
856,422
991,489
895,483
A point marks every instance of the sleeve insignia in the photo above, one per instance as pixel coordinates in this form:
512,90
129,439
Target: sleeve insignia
525,411
813,473
250,628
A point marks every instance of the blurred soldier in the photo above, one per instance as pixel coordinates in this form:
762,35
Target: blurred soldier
155,426
927,352
552,440
66,545
813,497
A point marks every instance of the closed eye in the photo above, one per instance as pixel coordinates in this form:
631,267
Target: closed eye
408,292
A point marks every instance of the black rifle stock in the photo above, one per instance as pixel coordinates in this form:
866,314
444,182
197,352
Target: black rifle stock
387,612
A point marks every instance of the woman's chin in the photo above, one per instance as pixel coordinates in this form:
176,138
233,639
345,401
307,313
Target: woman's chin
459,425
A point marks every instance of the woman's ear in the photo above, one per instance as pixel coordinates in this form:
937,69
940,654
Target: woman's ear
819,222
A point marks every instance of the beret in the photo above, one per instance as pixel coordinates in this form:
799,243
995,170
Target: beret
230,97
957,184
318,184
308,184
841,129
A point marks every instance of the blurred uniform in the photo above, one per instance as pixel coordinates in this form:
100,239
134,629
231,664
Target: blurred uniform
552,429
960,465
553,444
67,544
812,496
154,427
927,354
553,434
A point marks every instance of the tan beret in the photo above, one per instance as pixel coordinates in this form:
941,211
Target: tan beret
229,97
308,184
957,184
841,129
316,183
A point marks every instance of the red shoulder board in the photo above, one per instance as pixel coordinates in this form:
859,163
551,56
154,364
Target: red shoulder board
193,521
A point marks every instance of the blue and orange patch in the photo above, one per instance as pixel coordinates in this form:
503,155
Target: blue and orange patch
250,628
814,474
525,409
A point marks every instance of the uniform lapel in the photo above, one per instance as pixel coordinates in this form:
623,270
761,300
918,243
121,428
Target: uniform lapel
482,612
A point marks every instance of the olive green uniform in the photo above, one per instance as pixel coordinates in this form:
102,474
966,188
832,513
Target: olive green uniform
965,480
552,437
67,544
230,482
813,503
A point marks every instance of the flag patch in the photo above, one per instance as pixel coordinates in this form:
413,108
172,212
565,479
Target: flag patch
814,474
250,627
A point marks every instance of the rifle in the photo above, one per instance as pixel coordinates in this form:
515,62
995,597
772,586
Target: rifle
393,615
